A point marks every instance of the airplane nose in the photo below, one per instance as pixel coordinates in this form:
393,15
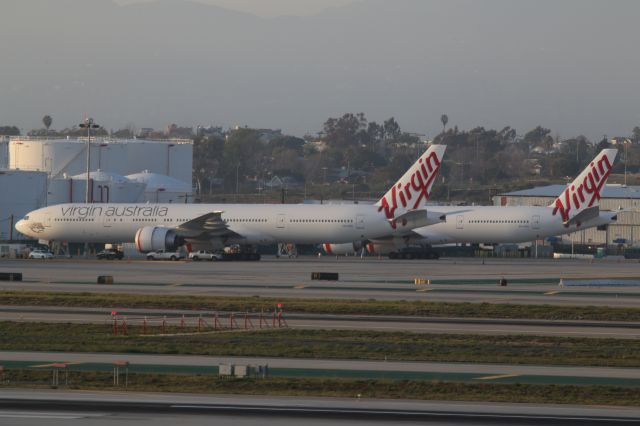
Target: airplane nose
21,226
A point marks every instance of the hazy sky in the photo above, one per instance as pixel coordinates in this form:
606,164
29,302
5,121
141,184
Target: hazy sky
569,65
268,8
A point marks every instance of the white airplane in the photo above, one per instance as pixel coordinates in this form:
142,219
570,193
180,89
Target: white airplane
575,209
214,226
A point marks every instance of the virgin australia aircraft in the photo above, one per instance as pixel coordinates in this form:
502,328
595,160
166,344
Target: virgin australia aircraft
213,226
575,209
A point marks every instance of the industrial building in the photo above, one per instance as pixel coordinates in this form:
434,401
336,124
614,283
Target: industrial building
172,157
37,172
626,231
20,192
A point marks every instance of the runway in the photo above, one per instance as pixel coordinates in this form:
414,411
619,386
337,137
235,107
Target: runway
326,368
597,329
458,280
31,407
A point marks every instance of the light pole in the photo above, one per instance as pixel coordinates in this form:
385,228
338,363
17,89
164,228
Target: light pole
626,155
237,180
169,146
88,124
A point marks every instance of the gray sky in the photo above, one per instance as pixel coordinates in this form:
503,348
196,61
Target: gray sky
569,65
269,8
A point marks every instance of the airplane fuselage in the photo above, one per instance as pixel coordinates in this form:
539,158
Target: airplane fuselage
498,224
256,224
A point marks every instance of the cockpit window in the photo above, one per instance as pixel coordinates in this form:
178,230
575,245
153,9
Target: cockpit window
26,217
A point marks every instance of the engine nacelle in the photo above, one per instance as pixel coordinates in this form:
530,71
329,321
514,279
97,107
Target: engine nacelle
338,249
152,238
383,248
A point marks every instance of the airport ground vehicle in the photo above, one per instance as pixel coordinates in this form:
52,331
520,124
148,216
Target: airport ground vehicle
204,255
110,255
40,254
165,255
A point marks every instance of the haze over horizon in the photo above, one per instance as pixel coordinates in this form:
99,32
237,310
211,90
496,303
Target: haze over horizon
568,65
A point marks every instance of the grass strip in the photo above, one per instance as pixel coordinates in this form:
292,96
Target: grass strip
117,301
386,389
327,344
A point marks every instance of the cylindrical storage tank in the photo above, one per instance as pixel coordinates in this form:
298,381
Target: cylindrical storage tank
163,189
20,192
69,156
4,153
54,156
170,158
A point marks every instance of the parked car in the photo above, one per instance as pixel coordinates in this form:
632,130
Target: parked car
165,255
110,254
204,255
40,254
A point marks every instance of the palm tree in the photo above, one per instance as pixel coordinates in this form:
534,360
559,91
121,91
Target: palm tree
444,120
47,120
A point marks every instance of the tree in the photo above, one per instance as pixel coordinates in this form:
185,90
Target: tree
47,120
636,134
9,131
344,131
444,120
391,130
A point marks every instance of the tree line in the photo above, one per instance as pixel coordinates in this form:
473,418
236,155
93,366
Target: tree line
369,156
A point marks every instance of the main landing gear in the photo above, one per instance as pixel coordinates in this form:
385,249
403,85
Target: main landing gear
240,253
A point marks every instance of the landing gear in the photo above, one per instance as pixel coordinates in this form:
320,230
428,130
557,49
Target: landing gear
240,253
287,250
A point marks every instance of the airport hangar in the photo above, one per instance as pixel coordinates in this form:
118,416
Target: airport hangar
626,230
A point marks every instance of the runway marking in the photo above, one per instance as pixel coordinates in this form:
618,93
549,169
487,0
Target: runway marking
299,286
499,376
176,285
419,328
41,416
551,293
53,364
423,290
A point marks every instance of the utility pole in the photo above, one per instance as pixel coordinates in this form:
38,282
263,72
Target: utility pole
88,124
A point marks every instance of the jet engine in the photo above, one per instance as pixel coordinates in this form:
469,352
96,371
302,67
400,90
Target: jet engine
346,248
152,238
383,248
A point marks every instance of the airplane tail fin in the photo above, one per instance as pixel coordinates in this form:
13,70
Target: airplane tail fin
414,187
582,196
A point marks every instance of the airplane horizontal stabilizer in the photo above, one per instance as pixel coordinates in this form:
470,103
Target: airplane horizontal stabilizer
418,218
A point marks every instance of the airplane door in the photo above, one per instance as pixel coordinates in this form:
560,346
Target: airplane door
360,221
535,221
106,222
47,221
460,222
280,221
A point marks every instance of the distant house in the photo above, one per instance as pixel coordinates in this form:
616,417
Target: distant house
319,145
174,131
215,131
267,135
619,140
283,182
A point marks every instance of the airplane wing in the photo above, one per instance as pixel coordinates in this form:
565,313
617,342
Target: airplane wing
209,225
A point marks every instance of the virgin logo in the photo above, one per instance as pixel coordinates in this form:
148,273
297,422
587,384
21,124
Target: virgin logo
587,192
412,191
